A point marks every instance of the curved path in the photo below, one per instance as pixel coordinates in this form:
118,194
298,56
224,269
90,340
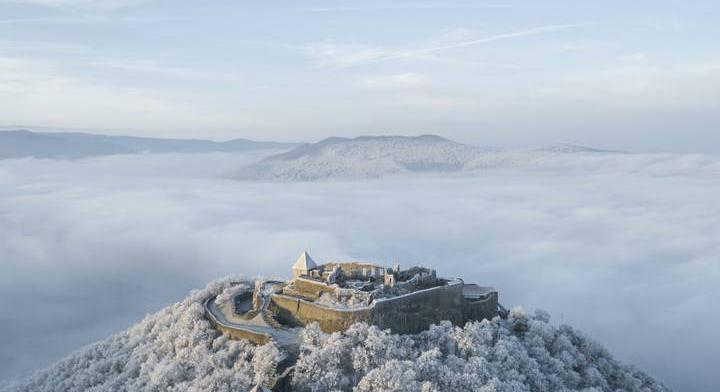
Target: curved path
285,337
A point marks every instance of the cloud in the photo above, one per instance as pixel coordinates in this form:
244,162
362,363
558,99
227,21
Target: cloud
672,25
92,20
330,53
81,12
159,68
415,6
75,5
401,81
83,57
49,20
645,83
638,57
625,248
41,46
6,177
73,99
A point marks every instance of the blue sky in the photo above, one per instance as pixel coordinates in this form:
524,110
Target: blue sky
641,75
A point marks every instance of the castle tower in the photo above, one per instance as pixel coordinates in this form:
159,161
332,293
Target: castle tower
303,265
391,275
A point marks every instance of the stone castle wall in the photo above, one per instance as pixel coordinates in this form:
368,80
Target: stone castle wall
483,308
310,288
296,311
237,334
356,269
415,312
410,313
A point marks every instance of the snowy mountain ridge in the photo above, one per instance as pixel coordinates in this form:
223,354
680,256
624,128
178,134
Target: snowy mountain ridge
377,156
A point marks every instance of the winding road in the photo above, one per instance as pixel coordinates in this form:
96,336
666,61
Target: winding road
286,337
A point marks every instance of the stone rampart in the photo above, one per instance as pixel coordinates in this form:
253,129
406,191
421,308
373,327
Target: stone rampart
416,311
409,313
356,269
485,307
295,311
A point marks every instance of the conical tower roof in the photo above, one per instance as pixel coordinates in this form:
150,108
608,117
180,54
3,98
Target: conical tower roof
304,262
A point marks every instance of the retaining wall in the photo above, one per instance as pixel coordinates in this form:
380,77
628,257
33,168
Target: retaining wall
235,333
311,288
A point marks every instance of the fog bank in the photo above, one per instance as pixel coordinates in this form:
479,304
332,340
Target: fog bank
625,249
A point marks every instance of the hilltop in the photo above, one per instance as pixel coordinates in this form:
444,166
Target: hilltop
178,349
24,143
377,156
363,157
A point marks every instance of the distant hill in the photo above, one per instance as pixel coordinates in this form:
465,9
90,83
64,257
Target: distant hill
570,149
24,143
376,156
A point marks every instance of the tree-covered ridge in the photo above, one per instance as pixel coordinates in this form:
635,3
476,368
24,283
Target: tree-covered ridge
518,354
177,349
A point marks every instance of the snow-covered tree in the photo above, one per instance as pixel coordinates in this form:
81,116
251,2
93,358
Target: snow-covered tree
231,292
177,349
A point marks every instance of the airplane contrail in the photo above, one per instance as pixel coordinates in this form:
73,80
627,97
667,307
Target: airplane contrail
493,38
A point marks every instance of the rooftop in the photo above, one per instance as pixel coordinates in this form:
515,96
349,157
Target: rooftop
304,262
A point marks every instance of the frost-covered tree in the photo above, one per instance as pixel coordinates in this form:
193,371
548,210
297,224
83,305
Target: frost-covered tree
521,353
265,363
177,349
230,293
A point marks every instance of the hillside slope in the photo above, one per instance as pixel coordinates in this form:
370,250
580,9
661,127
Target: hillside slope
363,157
177,349
377,156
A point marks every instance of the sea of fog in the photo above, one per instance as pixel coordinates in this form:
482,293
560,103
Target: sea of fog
624,247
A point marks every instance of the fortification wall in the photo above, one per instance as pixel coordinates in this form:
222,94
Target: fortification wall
415,312
410,313
356,268
483,308
296,311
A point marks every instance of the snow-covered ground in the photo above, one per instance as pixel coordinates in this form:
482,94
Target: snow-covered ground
622,246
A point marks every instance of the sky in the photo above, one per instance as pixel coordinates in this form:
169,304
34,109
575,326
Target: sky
641,75
623,247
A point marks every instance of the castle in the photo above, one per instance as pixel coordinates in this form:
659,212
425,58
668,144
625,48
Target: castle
336,295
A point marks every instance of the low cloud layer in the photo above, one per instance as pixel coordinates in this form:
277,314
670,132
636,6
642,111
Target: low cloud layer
624,249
